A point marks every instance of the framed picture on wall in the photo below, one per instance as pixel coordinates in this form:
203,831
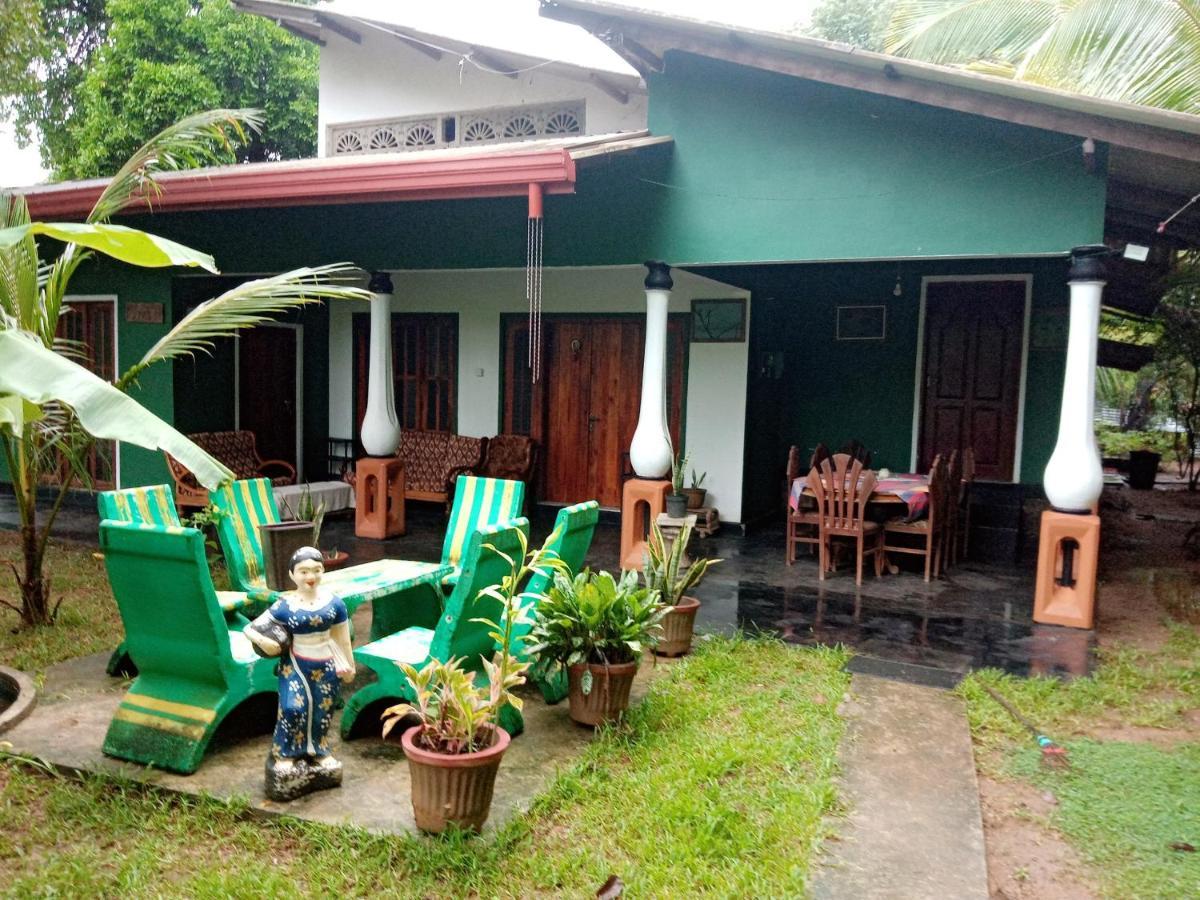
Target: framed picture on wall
861,323
718,321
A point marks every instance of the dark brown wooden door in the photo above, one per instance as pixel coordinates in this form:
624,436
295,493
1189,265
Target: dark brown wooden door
973,335
267,390
91,324
584,410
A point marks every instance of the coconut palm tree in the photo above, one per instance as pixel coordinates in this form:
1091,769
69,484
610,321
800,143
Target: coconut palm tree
1137,51
52,409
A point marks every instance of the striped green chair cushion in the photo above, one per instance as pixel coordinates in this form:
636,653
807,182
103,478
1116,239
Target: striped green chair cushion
247,504
152,505
478,503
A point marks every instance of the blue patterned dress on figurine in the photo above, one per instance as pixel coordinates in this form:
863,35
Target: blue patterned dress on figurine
308,682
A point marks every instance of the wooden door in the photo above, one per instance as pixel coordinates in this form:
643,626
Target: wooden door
91,323
972,377
584,410
267,390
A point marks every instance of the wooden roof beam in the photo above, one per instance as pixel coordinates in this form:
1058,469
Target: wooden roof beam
296,31
338,28
618,94
495,63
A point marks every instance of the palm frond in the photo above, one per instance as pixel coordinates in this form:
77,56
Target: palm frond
248,305
18,266
206,138
1137,51
958,32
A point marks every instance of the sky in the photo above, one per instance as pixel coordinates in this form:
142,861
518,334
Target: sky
22,167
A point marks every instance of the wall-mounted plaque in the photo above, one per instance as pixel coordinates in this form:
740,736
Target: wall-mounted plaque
861,323
145,313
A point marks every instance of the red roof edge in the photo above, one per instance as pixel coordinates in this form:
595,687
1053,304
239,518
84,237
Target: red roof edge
359,179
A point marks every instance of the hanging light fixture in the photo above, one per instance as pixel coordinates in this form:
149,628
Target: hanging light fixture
897,291
533,278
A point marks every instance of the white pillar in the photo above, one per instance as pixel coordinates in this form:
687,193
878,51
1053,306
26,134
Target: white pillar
1073,478
380,427
650,452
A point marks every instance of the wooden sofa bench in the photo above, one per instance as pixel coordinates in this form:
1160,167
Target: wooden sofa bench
238,450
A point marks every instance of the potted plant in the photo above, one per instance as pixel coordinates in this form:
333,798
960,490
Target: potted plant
695,493
455,748
662,573
677,499
597,627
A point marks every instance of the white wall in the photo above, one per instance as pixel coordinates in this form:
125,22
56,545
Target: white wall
716,378
383,78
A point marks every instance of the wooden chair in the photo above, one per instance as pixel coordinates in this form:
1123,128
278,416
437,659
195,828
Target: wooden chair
458,633
193,668
858,450
842,488
950,523
964,501
801,523
928,529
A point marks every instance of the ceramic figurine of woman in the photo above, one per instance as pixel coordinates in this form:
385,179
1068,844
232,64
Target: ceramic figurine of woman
309,631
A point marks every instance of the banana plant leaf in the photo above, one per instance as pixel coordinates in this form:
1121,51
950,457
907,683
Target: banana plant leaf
31,372
139,248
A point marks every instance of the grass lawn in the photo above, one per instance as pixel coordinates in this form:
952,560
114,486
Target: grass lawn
1124,802
717,784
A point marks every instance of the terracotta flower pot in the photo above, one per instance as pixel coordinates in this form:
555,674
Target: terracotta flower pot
695,497
678,626
279,541
452,789
609,696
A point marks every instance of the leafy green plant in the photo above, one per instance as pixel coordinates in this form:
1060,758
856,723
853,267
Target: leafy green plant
52,409
678,470
458,716
1115,442
307,511
697,482
662,566
595,618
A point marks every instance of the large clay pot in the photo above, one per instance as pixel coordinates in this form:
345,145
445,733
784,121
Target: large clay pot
609,696
678,626
695,497
1143,469
279,541
452,789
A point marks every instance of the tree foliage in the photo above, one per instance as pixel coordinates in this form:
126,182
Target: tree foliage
114,72
862,23
20,42
1136,51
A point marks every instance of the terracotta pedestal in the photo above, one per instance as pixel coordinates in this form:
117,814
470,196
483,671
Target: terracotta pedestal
642,502
1066,576
379,497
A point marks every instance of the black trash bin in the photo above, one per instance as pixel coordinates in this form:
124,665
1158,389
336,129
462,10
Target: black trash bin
1143,467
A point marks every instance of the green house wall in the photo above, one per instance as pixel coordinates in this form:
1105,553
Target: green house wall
833,391
772,167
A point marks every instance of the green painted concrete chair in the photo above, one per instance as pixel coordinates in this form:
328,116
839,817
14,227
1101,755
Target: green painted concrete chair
193,670
154,505
403,592
570,540
455,634
478,502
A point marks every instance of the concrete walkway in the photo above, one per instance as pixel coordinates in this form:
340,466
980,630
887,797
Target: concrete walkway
913,827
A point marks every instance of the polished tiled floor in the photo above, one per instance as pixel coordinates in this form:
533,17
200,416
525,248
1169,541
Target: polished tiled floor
976,616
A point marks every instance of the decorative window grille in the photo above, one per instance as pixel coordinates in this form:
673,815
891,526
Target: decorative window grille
488,126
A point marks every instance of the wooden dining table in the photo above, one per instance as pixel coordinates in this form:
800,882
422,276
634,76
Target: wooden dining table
909,488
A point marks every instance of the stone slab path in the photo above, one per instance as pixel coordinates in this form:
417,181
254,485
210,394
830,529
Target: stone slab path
913,827
77,701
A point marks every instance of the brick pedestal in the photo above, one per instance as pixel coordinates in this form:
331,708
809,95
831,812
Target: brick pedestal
642,501
1072,603
379,497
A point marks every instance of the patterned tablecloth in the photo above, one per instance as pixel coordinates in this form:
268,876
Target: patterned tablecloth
907,487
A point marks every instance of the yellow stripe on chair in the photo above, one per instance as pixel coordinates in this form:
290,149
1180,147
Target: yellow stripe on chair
464,519
185,710
133,717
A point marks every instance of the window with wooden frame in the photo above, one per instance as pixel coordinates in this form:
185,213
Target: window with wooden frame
91,324
424,369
